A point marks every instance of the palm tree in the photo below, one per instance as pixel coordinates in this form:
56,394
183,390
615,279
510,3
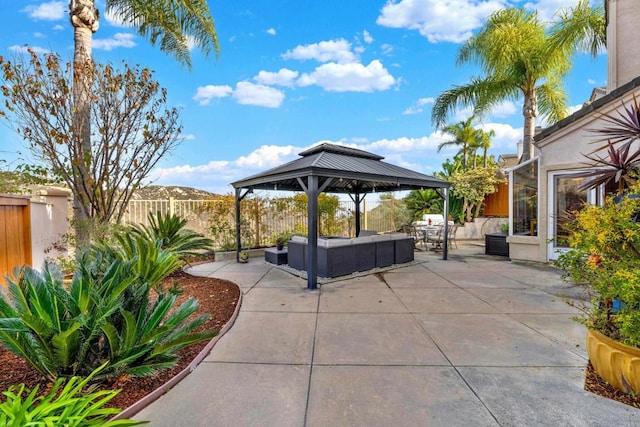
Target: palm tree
484,142
521,59
464,136
175,25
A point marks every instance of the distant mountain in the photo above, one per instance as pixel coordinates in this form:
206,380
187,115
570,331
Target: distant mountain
160,192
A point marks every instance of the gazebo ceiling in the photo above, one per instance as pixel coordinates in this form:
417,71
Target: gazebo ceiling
352,170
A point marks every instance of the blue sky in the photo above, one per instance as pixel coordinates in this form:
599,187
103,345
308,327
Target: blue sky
292,74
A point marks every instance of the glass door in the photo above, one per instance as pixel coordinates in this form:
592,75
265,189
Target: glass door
565,196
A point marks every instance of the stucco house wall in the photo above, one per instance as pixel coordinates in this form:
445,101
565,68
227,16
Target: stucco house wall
623,49
562,148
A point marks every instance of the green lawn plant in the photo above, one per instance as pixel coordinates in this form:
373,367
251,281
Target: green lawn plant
110,313
606,259
69,403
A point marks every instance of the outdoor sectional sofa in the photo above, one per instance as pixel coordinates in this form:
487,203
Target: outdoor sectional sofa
338,256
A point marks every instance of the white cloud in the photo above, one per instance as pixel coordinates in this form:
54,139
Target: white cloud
189,137
216,175
24,49
506,136
204,94
271,31
573,108
325,51
187,173
418,106
118,40
284,77
548,8
349,77
58,27
267,156
387,49
504,109
405,144
248,93
367,37
437,20
48,11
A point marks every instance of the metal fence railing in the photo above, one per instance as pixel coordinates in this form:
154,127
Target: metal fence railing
264,219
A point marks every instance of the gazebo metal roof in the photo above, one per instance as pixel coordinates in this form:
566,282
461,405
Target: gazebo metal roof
355,171
331,168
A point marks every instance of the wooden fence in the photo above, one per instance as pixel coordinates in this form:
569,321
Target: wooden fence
497,204
15,233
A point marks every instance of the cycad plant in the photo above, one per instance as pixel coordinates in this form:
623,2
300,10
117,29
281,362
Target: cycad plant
170,231
106,314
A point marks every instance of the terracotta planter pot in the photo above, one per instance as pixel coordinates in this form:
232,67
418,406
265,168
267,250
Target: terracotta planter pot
616,363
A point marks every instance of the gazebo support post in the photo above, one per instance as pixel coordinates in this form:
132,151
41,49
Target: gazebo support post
357,202
312,227
238,237
239,197
445,240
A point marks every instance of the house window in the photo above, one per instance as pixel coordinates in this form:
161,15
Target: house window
524,179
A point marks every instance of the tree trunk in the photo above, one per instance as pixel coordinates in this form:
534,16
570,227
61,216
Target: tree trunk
464,155
530,112
84,18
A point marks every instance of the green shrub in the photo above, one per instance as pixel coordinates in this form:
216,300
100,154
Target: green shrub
67,404
104,315
150,263
606,259
170,232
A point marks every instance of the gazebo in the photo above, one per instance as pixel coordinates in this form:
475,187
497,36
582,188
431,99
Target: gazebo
331,168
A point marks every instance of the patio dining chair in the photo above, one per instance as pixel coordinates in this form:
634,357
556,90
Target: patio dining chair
433,235
452,235
418,235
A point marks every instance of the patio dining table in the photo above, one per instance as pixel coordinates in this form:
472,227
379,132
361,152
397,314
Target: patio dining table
430,233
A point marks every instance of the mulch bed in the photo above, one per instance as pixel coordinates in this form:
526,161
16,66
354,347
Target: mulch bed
597,385
216,296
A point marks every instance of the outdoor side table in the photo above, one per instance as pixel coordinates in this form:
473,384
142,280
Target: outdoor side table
275,256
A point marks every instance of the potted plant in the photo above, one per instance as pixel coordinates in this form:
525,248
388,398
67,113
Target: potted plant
605,255
244,255
282,239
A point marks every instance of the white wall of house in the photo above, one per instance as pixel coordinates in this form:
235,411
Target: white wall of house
49,223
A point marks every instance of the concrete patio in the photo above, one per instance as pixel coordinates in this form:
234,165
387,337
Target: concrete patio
472,341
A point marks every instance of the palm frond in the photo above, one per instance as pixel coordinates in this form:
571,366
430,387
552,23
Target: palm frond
173,24
582,27
482,94
552,101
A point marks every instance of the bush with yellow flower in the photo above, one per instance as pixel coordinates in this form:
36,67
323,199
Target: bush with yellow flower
605,258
